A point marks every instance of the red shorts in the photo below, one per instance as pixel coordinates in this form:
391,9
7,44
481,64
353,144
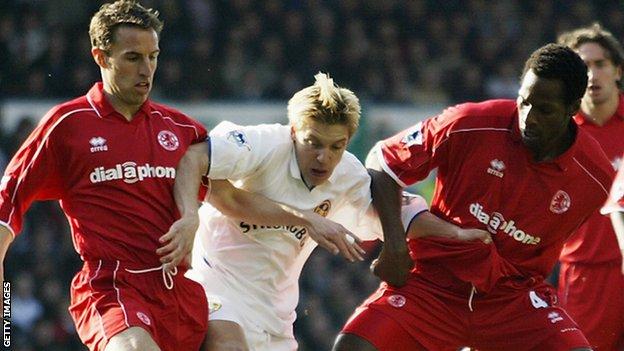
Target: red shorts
106,299
423,316
594,296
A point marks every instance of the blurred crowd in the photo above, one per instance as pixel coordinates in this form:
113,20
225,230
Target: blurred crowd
416,51
421,51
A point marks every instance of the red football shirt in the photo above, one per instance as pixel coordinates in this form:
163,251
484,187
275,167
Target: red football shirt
114,178
487,179
595,241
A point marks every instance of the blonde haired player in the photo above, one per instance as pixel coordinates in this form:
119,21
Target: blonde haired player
249,258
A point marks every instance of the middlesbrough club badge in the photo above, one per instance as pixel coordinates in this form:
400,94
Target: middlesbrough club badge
168,140
144,318
396,301
560,202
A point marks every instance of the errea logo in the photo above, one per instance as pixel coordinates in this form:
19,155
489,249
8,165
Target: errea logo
496,168
98,144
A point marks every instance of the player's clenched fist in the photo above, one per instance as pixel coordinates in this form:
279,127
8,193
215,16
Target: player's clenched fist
393,267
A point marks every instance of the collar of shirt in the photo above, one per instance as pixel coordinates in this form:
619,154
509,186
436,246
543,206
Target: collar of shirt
295,172
564,161
580,118
102,106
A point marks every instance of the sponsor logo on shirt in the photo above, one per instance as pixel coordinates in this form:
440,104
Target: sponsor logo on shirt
323,208
98,144
300,233
496,168
496,223
130,173
560,202
414,135
239,138
168,140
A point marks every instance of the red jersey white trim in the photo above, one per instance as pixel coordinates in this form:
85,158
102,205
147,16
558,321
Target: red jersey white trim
41,145
123,308
94,306
592,177
176,123
93,105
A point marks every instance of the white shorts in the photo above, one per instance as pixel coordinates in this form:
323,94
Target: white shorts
225,308
257,339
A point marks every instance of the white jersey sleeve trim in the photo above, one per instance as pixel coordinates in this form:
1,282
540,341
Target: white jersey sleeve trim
411,210
385,166
592,177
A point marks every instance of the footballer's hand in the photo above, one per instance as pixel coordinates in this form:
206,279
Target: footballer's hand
334,237
393,267
471,234
178,242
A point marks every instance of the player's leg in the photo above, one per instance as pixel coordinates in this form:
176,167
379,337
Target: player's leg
350,342
225,336
132,339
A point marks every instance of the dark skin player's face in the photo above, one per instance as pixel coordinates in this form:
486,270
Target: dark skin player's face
543,117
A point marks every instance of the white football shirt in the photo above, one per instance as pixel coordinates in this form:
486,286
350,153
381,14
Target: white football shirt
258,267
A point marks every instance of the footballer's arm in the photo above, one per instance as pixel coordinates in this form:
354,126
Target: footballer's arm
394,263
255,208
178,241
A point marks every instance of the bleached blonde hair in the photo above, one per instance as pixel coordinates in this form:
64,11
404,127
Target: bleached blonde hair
325,102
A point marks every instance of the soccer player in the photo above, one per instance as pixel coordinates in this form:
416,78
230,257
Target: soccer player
522,170
110,157
249,263
591,261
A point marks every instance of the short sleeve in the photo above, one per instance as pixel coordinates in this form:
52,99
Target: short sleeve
239,151
410,155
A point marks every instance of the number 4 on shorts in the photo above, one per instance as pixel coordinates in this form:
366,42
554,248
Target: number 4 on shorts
536,300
